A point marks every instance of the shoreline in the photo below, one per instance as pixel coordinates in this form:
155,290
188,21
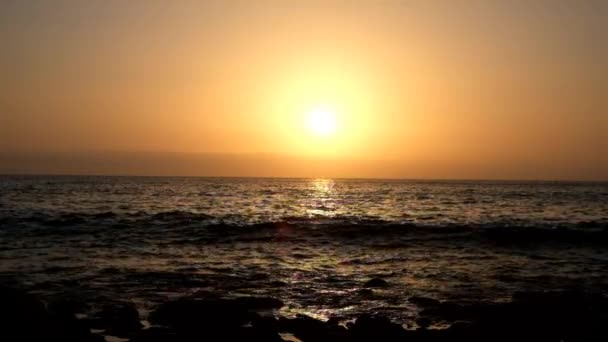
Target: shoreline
204,316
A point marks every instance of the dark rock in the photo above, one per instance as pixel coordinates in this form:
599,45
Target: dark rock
254,334
376,282
188,314
379,328
335,320
261,329
259,303
21,313
265,323
67,305
300,323
307,329
264,328
120,319
24,317
424,301
278,283
567,316
449,311
423,322
156,334
365,292
196,316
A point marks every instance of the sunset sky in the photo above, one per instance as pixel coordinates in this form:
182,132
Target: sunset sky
400,89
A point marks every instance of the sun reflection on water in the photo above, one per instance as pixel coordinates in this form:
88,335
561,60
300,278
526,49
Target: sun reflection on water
323,186
321,199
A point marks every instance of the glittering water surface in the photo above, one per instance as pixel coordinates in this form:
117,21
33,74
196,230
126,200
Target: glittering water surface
312,243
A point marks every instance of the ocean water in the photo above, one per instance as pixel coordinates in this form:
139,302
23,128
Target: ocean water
311,242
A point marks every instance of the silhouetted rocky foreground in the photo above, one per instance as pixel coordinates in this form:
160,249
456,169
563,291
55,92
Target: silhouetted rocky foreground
563,316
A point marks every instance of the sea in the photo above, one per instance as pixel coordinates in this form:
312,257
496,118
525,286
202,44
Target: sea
313,243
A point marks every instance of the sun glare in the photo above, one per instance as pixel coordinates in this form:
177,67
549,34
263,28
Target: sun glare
322,121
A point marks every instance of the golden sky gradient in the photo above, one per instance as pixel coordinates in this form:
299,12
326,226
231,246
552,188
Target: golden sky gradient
424,89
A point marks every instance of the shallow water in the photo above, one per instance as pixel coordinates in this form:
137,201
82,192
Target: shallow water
312,243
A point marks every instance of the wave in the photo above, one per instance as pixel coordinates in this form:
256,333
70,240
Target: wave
200,228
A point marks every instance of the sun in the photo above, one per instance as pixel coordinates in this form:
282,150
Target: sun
321,120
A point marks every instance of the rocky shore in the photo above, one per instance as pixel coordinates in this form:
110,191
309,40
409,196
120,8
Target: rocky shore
546,316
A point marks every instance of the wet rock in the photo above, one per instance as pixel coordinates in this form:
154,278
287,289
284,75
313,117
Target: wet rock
67,305
255,334
376,283
376,328
564,315
449,311
67,328
424,301
194,314
199,316
120,319
259,303
300,323
365,293
530,317
21,313
261,329
308,329
156,334
423,322
278,283
335,320
264,328
265,323
24,317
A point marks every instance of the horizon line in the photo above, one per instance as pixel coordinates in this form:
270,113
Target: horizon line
307,178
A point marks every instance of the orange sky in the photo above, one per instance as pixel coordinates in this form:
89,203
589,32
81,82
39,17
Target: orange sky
425,89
